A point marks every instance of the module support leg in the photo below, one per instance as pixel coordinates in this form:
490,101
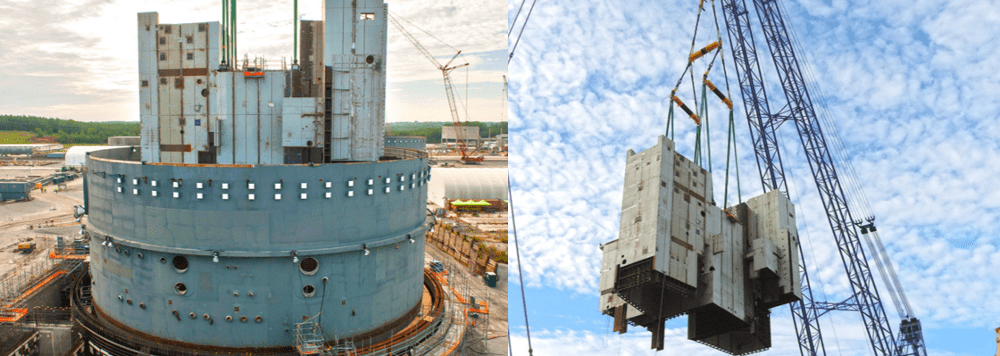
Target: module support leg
621,325
658,330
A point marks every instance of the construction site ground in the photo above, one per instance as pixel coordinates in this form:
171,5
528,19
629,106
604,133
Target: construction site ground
455,161
489,333
21,220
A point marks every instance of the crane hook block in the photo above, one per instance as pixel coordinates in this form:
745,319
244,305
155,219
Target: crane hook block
708,49
729,103
697,120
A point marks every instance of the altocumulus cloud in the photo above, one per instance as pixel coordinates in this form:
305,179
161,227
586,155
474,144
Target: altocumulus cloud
910,87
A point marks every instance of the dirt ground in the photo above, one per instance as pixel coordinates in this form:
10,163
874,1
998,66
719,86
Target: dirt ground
453,161
489,333
36,218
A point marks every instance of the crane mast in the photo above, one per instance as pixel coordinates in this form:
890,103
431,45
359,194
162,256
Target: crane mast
449,91
763,125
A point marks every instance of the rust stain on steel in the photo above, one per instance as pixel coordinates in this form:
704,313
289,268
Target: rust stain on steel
172,343
200,165
175,148
682,243
436,292
186,72
433,286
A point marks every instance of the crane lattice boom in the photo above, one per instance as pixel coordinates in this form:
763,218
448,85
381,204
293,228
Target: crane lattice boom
448,88
799,109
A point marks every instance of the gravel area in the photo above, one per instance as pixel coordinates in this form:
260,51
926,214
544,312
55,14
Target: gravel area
35,219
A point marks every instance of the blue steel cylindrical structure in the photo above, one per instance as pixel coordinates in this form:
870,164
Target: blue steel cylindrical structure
197,252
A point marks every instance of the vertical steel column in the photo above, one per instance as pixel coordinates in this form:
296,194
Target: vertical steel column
772,174
295,34
751,80
801,111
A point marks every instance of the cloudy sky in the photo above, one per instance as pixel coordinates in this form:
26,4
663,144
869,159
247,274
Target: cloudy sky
911,87
77,59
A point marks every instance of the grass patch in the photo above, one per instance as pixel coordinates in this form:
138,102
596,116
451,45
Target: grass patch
16,137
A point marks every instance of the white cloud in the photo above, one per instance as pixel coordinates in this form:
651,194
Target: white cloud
911,87
63,59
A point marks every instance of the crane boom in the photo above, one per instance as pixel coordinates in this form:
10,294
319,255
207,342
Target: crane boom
449,91
800,111
772,173
415,43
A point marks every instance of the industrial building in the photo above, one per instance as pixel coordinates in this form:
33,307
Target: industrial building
465,183
28,149
678,253
263,211
124,140
15,190
410,142
470,134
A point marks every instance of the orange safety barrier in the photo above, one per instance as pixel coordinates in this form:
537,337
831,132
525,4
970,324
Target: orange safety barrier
18,314
459,296
440,278
52,254
484,310
460,338
36,287
66,224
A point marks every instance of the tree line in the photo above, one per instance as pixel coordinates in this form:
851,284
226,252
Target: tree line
432,130
68,131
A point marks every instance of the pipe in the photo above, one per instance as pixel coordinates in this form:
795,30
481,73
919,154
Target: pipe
225,36
295,35
233,29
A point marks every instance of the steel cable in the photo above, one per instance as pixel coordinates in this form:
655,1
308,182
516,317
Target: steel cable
523,25
520,275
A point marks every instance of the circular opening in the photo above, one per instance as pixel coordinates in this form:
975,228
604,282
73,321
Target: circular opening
163,260
308,290
139,255
192,316
199,81
206,316
204,92
236,294
258,319
120,298
229,318
250,294
243,319
624,261
370,59
308,266
180,288
118,249
180,263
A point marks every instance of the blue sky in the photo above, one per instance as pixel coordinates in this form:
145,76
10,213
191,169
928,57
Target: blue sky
77,59
911,87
